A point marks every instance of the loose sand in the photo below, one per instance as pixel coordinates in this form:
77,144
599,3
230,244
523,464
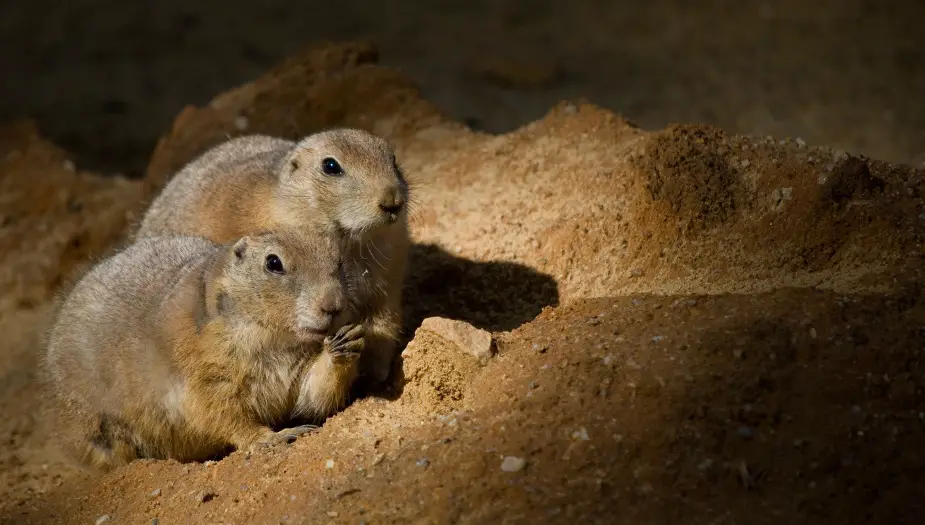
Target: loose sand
692,326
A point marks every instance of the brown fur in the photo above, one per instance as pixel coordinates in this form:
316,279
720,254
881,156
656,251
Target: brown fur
181,348
255,183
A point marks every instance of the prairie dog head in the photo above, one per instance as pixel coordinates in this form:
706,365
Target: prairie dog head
288,283
349,176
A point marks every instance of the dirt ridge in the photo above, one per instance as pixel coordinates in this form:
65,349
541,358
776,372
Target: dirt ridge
673,310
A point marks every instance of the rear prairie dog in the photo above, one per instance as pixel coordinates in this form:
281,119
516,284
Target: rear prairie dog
178,347
340,179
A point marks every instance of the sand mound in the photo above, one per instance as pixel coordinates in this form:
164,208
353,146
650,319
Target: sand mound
765,371
54,219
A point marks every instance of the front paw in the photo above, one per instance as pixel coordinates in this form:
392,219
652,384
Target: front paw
347,344
285,436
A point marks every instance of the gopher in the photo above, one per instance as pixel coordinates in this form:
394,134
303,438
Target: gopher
341,179
182,348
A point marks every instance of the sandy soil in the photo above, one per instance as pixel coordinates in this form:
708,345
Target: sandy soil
104,79
693,326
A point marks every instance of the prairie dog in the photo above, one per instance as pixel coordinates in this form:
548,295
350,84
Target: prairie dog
345,180
178,347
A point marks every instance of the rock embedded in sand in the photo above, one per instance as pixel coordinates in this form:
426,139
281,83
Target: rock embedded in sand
513,464
469,339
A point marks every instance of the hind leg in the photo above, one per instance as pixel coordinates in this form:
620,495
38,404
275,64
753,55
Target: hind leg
382,335
109,444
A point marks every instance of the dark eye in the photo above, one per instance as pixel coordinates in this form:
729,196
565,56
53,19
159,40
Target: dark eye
274,264
331,167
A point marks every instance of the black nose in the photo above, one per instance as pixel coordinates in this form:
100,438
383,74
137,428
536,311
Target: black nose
331,310
330,303
391,201
392,209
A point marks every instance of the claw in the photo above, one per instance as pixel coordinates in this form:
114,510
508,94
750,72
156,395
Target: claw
348,342
289,435
286,436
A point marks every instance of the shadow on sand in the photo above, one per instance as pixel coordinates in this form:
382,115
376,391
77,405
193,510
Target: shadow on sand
495,296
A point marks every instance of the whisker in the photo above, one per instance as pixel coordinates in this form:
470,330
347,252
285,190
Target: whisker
384,256
371,254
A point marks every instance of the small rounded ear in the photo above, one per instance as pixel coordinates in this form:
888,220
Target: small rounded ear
290,166
223,303
240,247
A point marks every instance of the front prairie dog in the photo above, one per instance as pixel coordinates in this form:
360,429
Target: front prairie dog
180,348
341,179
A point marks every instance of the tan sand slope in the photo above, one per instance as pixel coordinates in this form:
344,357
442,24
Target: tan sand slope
759,399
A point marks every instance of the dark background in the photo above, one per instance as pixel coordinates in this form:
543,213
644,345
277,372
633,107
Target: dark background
105,78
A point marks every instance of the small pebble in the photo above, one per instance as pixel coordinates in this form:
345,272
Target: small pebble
154,521
329,463
745,432
423,462
513,464
658,338
705,464
581,434
532,385
333,513
800,142
347,492
103,519
155,493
